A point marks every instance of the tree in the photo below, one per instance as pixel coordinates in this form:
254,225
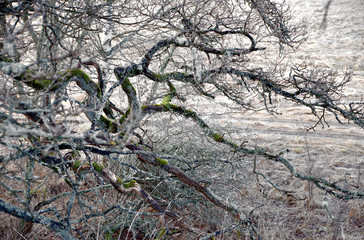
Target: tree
138,65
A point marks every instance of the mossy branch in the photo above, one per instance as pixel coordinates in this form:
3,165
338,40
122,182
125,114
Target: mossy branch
130,118
121,186
321,183
58,80
168,98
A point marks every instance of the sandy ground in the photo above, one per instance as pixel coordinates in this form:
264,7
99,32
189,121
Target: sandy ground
339,45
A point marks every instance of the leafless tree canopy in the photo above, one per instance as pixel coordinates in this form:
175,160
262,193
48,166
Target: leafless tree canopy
89,90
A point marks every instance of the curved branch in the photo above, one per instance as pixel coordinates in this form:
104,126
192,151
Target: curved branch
300,94
323,184
99,75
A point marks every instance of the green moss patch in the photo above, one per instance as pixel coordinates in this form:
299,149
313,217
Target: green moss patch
161,161
130,184
97,166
